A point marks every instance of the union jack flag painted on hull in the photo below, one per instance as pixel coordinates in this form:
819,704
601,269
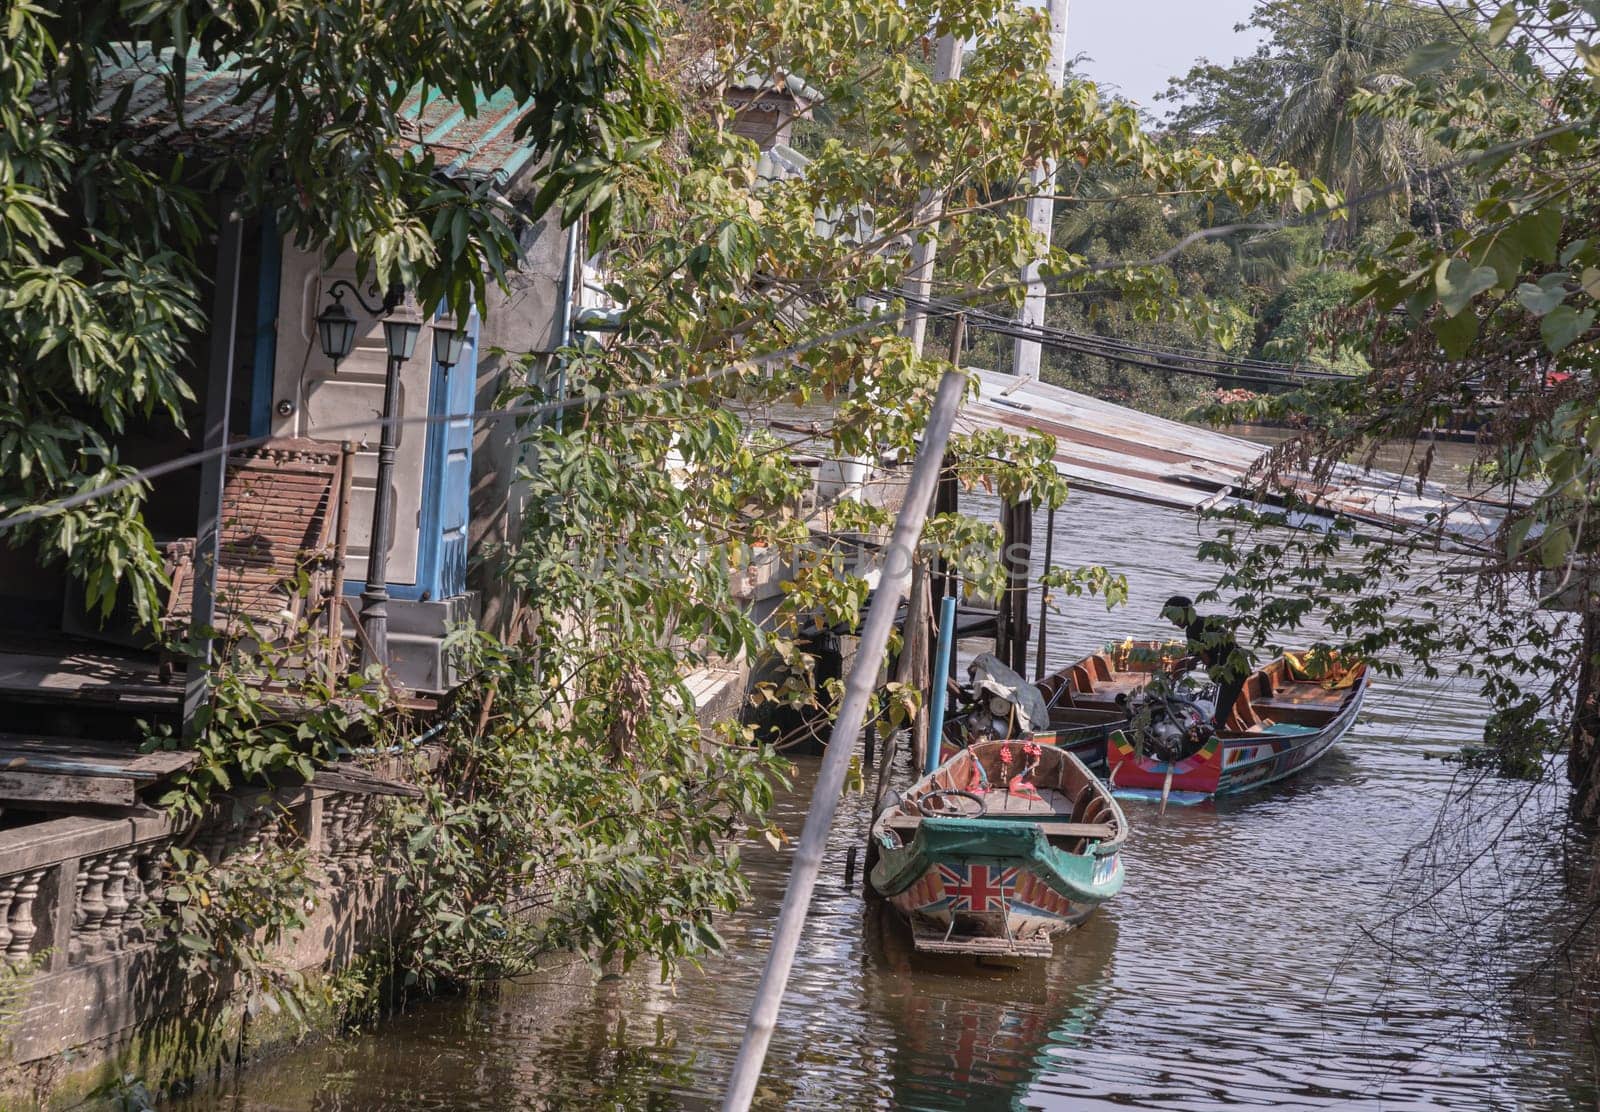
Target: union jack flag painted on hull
978,887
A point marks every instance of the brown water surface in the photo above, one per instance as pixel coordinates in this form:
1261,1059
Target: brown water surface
1258,956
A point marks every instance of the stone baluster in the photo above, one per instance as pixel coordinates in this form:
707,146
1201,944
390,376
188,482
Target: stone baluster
213,843
93,901
256,835
135,892
23,928
80,882
234,838
357,841
8,893
148,867
112,930
275,831
335,815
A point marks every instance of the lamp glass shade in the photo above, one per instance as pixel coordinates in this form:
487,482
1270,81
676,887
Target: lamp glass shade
336,329
400,337
449,344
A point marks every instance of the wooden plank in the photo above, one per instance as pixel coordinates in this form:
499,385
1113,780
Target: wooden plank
1050,802
78,669
86,748
1104,831
52,788
354,779
986,946
88,757
161,764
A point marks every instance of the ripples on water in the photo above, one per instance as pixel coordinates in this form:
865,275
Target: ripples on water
1255,958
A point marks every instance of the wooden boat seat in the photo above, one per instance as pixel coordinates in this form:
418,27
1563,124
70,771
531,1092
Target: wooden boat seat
1305,694
1004,803
906,825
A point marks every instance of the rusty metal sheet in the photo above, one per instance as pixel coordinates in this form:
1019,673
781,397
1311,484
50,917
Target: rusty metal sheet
1121,452
483,146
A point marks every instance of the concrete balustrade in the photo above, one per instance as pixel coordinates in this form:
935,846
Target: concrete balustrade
76,896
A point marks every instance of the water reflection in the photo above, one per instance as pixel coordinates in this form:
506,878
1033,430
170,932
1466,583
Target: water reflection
1255,958
973,1032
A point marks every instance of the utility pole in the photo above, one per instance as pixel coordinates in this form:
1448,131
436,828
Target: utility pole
919,280
1041,209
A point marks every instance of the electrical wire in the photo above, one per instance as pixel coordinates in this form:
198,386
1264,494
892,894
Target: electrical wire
1259,371
949,305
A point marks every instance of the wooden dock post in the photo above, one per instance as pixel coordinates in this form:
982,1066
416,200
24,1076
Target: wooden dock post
1016,547
1049,552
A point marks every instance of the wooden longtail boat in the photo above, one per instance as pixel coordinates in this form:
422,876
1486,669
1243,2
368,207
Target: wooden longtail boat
1283,720
978,864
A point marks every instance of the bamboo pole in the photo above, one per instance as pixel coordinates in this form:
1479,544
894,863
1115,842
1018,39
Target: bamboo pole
916,652
858,691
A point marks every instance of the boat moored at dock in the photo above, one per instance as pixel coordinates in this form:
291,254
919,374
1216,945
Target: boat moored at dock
1106,707
999,849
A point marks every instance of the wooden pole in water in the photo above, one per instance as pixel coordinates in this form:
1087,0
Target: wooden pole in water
858,690
915,653
1016,547
1044,593
941,677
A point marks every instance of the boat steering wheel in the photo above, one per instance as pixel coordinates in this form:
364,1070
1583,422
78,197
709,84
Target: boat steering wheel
953,803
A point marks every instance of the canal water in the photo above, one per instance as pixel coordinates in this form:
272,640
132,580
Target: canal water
1292,949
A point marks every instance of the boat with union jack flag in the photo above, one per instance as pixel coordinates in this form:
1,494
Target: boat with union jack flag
1000,848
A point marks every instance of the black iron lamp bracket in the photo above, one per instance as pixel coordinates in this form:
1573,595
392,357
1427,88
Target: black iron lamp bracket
392,297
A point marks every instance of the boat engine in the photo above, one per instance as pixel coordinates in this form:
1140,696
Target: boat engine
1169,725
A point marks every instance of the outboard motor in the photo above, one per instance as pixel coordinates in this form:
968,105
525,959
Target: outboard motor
1003,703
1167,724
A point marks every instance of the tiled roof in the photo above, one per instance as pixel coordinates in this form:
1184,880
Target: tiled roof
482,146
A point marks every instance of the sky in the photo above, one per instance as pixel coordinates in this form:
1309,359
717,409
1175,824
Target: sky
1133,46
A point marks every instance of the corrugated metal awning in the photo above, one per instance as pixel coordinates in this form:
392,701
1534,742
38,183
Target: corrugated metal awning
218,114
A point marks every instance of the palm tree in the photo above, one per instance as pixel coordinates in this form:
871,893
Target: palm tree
1291,99
1343,47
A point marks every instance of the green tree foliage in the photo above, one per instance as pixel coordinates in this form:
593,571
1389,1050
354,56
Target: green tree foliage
101,290
572,800
1302,321
1491,323
1119,220
1292,98
580,785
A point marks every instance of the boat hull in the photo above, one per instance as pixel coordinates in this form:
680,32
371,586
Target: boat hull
1005,882
1229,764
987,886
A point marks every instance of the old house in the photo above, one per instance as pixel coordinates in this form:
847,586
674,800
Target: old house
352,475
764,108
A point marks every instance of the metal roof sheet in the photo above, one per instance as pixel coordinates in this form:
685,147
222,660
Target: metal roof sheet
1118,451
216,114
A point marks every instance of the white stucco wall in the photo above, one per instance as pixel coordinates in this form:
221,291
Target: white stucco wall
324,402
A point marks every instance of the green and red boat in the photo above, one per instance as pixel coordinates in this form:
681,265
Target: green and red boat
1002,847
1290,712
